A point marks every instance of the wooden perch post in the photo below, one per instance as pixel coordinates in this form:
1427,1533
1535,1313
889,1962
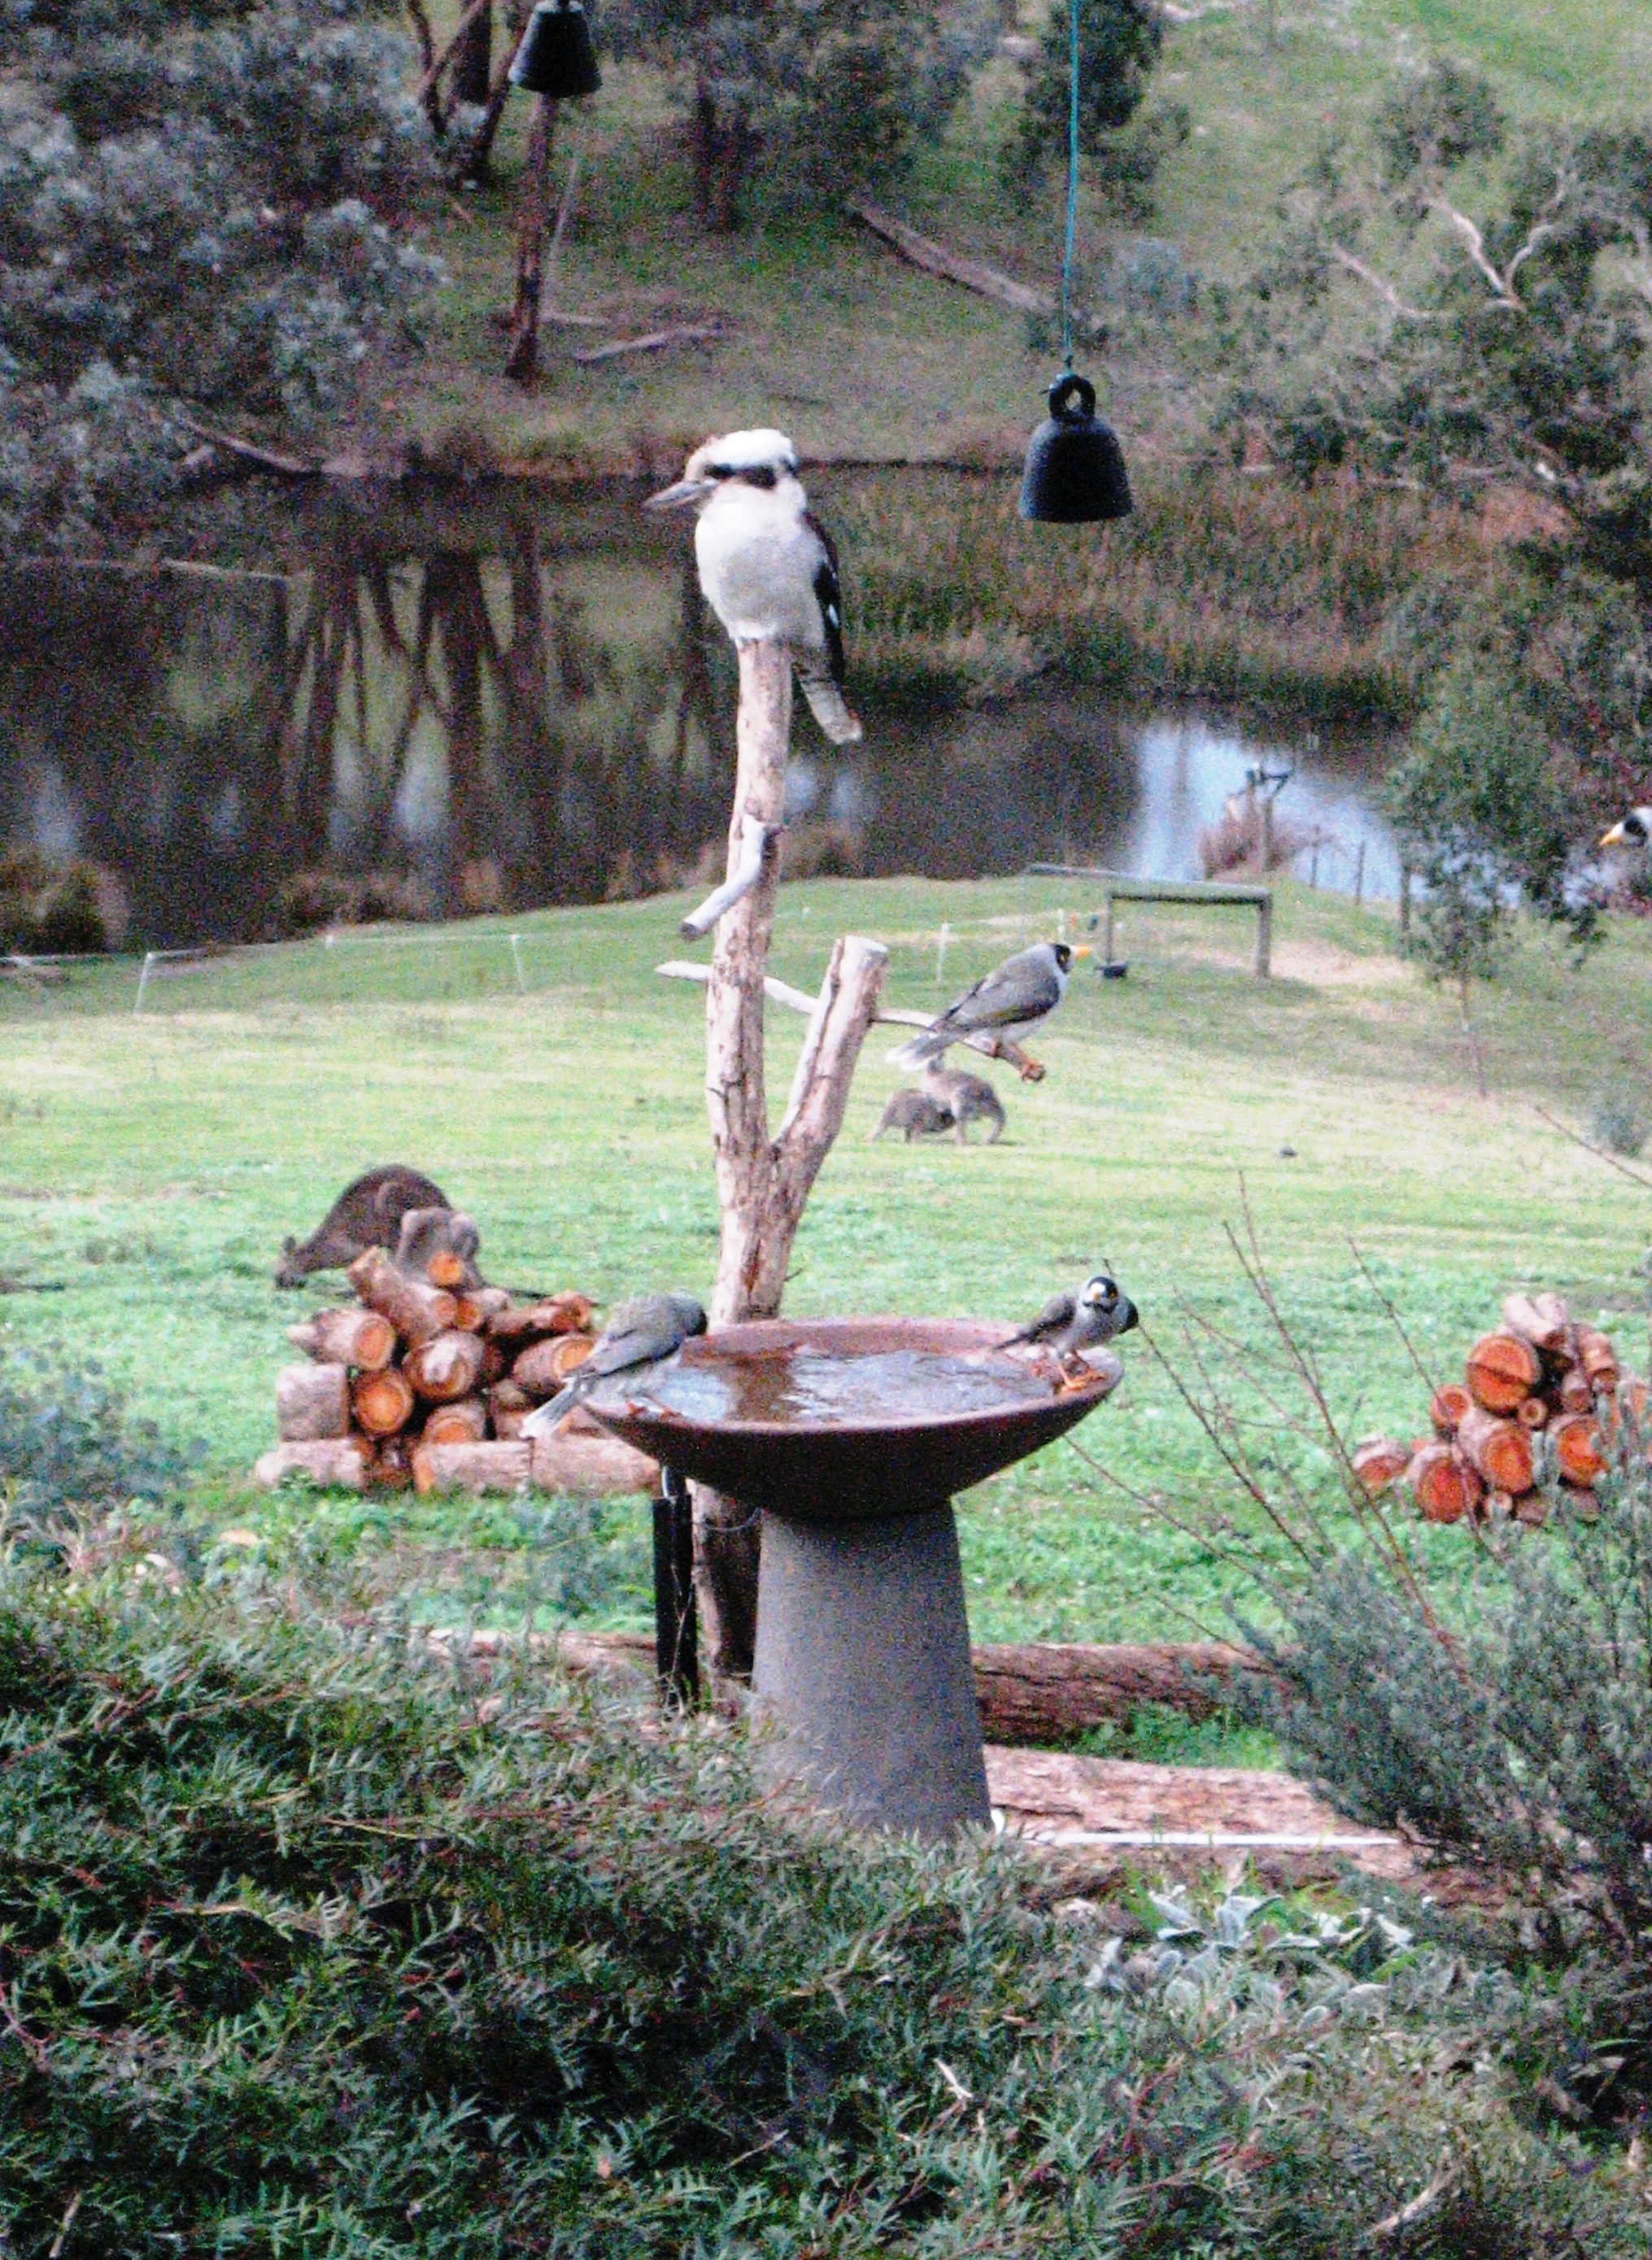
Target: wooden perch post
763,1180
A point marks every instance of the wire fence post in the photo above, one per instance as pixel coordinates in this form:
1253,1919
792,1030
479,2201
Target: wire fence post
143,982
516,952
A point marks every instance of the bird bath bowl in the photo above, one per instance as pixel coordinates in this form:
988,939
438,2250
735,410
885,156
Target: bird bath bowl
852,1435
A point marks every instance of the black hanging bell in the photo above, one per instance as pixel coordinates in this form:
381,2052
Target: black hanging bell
1074,466
556,57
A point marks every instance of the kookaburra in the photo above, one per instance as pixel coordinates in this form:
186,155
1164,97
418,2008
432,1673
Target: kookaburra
767,564
1634,831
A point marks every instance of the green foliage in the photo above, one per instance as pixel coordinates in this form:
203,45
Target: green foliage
378,1969
1477,807
1118,45
69,1448
1618,1117
210,212
1523,1745
48,908
795,104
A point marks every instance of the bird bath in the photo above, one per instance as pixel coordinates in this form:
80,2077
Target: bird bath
852,1435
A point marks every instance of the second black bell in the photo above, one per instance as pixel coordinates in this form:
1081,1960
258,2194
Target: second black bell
1074,466
556,57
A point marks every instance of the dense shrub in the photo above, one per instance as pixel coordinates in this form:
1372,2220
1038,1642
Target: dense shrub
207,207
376,1970
69,1448
1522,1744
1123,144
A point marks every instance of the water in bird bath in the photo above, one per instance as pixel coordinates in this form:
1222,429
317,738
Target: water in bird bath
804,1386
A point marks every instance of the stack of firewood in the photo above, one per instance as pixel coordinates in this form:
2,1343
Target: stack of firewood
426,1380
1540,1397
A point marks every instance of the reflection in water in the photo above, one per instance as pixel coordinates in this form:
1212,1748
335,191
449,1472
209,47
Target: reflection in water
495,696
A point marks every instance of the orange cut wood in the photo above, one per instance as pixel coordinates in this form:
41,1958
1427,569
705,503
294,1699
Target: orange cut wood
544,1366
1502,1370
446,1269
1500,1451
1379,1461
417,1313
1532,1510
1444,1485
1541,1320
1598,1358
382,1403
1575,1442
470,1313
447,1369
354,1337
1573,1393
1446,1407
1532,1412
465,1421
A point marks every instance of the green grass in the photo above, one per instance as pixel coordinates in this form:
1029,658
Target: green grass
151,1164
859,354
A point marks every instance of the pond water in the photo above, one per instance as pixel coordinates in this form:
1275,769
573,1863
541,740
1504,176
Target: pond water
418,699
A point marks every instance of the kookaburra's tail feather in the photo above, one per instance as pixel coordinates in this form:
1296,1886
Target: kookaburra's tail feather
827,702
930,1044
545,1419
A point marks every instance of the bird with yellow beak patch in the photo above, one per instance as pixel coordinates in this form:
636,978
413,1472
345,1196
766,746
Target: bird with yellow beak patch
1008,1003
1634,831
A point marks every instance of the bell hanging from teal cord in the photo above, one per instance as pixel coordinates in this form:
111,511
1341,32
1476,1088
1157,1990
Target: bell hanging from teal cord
1074,471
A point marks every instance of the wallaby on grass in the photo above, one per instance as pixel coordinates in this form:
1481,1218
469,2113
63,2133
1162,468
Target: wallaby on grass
965,1098
915,1114
367,1214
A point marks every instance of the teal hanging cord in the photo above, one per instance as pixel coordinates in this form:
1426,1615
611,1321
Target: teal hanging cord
1072,193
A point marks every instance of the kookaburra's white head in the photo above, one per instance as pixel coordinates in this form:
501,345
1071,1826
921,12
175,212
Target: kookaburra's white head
1635,831
759,459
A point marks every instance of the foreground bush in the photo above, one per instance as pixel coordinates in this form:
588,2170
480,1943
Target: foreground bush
306,1948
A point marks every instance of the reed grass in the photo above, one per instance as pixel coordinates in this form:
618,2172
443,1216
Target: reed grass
1218,585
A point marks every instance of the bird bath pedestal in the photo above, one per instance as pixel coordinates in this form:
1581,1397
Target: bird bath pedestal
851,1437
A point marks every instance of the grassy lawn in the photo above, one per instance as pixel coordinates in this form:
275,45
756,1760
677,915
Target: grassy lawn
861,355
152,1163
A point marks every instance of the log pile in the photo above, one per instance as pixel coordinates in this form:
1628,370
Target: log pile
426,1379
1530,1420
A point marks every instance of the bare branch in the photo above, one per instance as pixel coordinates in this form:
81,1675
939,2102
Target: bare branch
1384,289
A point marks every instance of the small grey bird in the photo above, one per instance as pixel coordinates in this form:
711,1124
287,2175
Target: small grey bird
642,1332
1634,831
1072,1324
1010,1001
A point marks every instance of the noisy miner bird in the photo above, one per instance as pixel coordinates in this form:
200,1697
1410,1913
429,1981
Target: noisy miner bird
1634,831
1070,1325
767,564
1006,1003
642,1332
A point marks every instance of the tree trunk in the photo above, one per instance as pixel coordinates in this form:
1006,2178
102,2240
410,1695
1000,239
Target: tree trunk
1052,1694
522,361
473,65
475,167
762,1182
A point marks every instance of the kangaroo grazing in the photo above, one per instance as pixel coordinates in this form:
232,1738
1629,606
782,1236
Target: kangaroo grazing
965,1098
367,1214
914,1113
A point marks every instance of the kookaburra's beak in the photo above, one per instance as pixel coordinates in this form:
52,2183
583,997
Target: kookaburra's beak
685,491
1083,950
1616,838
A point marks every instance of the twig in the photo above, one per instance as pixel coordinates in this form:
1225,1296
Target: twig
1444,2178
1384,289
64,2227
286,467
1599,1152
681,333
757,840
1392,1316
553,257
427,84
